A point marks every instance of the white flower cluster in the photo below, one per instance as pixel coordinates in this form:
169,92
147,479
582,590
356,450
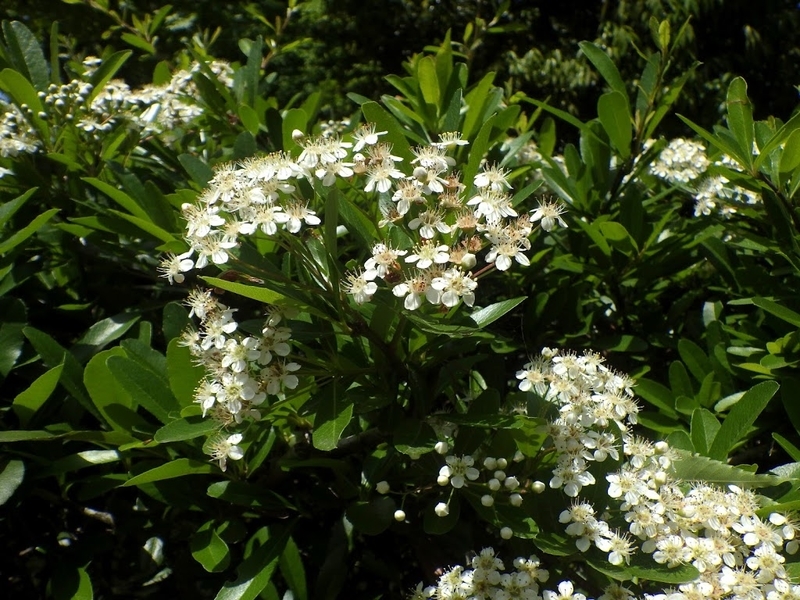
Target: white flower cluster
682,161
718,531
488,579
242,370
258,194
449,226
718,192
149,109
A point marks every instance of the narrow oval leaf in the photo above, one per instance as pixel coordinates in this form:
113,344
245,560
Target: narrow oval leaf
743,414
10,479
176,468
185,429
612,109
333,416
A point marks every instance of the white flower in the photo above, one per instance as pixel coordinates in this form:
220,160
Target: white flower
174,266
458,468
549,213
361,285
455,285
366,135
224,448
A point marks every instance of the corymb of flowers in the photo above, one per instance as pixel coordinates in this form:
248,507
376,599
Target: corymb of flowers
445,226
643,513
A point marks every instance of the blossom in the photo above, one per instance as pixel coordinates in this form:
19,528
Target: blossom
174,266
224,448
455,285
459,468
361,285
549,213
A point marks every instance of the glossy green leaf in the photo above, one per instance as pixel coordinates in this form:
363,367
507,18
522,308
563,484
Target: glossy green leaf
694,358
138,42
489,314
704,429
209,549
612,109
23,234
740,118
106,72
108,395
53,354
179,467
199,171
357,222
8,209
741,417
291,566
185,429
118,196
428,81
146,387
11,476
708,470
101,334
21,90
333,416
255,572
26,55
374,113
603,63
790,156
183,371
778,310
253,292
28,402
649,572
372,517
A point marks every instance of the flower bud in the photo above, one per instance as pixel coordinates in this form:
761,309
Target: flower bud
506,533
468,261
515,500
382,487
442,480
441,447
297,135
441,509
502,463
487,500
518,456
399,516
500,475
494,485
538,487
490,463
511,483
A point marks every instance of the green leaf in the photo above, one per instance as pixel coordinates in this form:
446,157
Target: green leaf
413,437
790,156
651,572
295,118
475,99
106,72
778,310
23,234
333,416
102,333
714,140
21,90
246,494
256,571
248,291
357,222
605,66
742,416
428,82
209,549
792,450
708,470
138,42
118,196
489,314
373,517
740,118
183,372
703,430
694,358
433,524
53,354
374,113
145,386
176,468
8,209
612,109
11,477
108,396
26,55
291,565
28,402
185,429
199,171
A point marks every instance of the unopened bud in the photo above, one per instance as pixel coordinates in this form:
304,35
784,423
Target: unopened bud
382,487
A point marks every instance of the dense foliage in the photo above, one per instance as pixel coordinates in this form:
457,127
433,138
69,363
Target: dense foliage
282,318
